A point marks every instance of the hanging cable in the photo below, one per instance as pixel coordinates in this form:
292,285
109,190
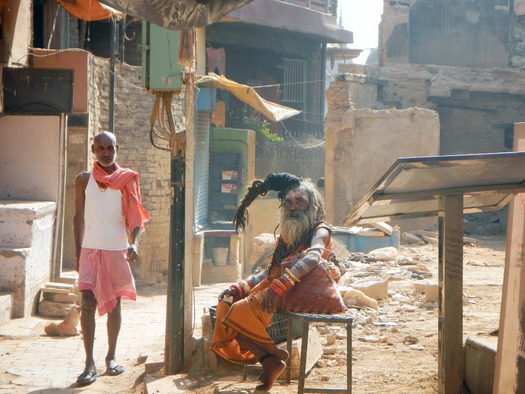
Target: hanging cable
160,113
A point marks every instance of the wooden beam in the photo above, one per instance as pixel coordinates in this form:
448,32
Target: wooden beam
509,374
450,320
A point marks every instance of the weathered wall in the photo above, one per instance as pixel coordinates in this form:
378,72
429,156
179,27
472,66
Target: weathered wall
459,33
28,134
488,33
393,33
365,142
517,54
16,18
133,107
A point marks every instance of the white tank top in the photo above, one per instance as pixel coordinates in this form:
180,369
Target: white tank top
105,227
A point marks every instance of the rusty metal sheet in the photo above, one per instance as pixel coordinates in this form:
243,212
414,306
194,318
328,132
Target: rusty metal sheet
177,14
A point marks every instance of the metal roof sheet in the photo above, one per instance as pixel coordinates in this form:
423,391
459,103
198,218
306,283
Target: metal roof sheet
412,187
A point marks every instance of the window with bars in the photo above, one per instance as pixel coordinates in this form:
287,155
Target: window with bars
294,86
294,94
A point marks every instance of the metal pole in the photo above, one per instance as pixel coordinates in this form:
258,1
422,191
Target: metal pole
112,52
322,86
174,356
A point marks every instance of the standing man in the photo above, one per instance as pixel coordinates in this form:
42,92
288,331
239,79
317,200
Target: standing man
108,219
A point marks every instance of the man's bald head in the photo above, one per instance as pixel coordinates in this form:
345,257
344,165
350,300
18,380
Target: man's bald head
105,135
105,148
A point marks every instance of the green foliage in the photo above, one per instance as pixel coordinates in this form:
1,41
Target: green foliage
241,119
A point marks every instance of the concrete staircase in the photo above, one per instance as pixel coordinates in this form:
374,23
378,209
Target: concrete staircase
26,240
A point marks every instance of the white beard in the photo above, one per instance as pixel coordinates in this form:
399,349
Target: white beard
294,225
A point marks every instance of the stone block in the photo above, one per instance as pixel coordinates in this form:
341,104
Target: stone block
430,290
357,297
154,363
480,363
210,358
314,353
372,287
432,293
53,309
68,298
207,326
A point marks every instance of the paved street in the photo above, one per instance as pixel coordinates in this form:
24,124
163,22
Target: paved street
32,362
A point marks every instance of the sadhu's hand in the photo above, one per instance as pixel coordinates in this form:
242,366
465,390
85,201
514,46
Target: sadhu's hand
230,292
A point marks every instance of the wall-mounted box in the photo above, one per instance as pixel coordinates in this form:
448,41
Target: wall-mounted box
161,70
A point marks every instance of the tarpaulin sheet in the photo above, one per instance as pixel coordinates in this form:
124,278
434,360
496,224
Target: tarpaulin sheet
248,95
89,10
177,14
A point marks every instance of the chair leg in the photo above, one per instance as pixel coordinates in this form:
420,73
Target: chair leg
304,350
349,358
289,349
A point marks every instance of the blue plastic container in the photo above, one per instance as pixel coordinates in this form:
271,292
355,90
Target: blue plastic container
358,243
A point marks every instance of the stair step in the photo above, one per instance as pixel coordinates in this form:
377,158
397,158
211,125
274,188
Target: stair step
59,286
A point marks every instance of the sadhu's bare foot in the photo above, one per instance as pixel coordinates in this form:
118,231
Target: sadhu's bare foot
272,369
281,355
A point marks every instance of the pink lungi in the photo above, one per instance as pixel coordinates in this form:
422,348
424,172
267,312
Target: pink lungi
108,275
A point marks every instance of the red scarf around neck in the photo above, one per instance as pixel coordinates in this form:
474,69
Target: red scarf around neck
127,181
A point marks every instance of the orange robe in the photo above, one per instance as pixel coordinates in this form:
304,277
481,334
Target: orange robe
246,317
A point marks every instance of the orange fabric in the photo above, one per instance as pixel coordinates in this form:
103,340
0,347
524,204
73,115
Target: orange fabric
246,317
88,10
219,115
127,181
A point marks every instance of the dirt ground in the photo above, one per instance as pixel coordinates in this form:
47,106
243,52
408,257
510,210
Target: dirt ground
395,349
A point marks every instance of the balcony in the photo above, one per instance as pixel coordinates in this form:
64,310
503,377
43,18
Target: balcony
326,6
313,18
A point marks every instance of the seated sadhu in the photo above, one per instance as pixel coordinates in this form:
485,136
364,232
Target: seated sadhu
300,278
